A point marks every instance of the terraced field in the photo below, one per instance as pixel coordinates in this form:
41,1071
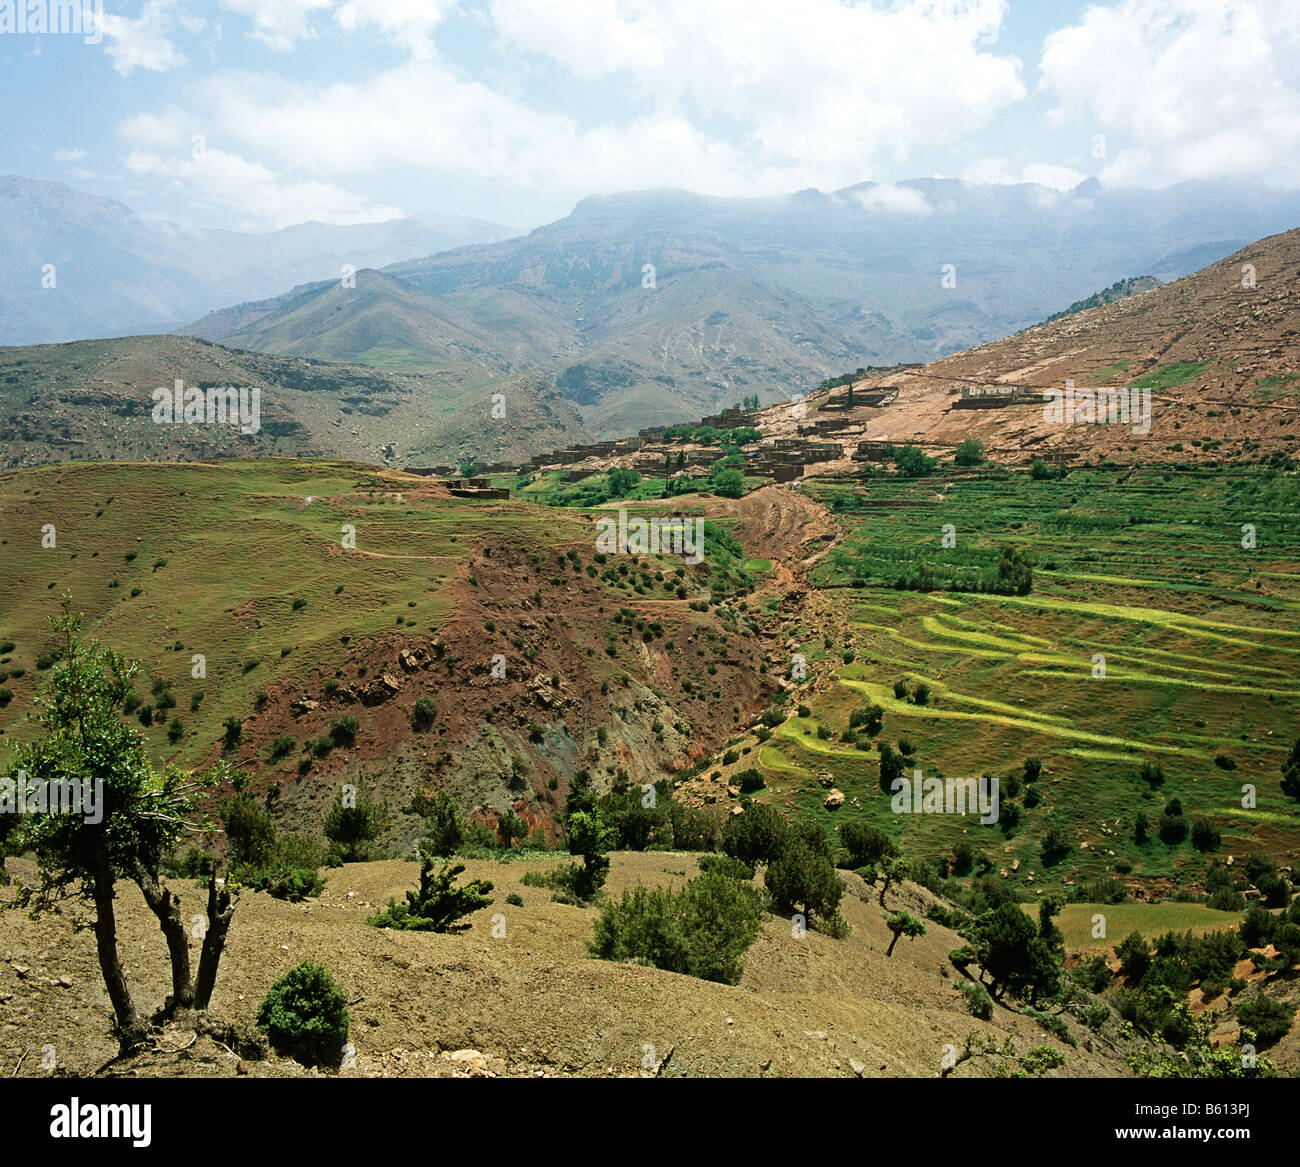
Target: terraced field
1150,633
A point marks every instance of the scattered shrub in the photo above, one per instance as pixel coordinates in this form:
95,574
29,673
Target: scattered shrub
305,1015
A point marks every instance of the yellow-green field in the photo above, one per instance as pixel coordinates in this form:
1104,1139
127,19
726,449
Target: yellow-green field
1150,633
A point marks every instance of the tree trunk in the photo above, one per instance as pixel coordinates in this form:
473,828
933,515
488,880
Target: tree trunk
221,908
167,908
890,950
131,1030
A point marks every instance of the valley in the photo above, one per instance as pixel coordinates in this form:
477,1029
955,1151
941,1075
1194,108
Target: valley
1096,624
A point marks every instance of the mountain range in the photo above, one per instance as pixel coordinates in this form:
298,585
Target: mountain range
636,309
86,267
655,307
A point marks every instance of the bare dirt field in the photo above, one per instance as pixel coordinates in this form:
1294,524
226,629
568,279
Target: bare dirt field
518,988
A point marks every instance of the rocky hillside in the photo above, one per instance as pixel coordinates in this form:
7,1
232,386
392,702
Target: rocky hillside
1218,351
664,306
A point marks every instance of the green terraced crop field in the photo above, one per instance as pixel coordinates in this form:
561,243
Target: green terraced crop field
1142,573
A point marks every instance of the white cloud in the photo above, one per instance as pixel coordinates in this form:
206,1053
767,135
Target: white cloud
219,178
1196,88
364,126
832,87
894,200
1055,177
409,23
1000,171
990,171
168,129
897,79
278,23
142,43
590,38
72,155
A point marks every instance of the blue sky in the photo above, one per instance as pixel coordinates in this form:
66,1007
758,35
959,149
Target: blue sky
257,114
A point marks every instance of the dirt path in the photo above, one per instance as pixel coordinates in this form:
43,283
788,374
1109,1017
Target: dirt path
778,524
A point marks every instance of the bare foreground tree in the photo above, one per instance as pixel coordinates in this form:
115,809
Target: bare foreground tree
130,819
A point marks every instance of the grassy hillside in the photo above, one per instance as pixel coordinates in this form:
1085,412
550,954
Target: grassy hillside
93,400
244,563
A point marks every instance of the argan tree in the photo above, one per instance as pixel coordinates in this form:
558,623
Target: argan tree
893,870
1291,772
353,823
510,827
142,816
444,824
902,924
802,877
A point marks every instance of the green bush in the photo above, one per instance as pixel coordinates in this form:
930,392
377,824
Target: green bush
284,882
949,917
437,904
1173,829
1257,926
1055,847
1054,1023
423,714
694,829
726,865
978,1000
250,831
443,822
802,878
1227,899
1152,773
912,462
702,929
305,1015
343,730
866,844
1268,1019
756,836
353,824
1092,973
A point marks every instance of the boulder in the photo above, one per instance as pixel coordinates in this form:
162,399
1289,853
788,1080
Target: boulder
834,800
381,689
469,1062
